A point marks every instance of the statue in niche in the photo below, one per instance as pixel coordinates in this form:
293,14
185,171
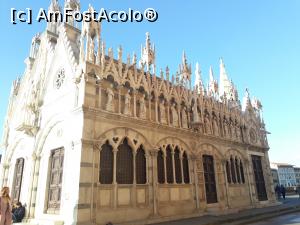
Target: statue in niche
215,127
142,107
195,113
174,115
184,118
207,124
231,130
162,112
238,133
226,132
234,132
110,98
127,105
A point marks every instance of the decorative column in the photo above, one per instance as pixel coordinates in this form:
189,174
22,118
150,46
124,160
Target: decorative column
134,179
5,174
181,166
156,109
269,182
134,103
27,212
115,177
168,113
119,99
153,154
193,160
226,182
165,166
173,164
247,166
37,159
150,108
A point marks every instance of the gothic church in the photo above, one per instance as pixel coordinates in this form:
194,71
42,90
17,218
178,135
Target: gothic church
91,139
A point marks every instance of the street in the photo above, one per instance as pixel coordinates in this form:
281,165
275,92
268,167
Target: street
289,219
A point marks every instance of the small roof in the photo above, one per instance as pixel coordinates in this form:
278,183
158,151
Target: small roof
281,165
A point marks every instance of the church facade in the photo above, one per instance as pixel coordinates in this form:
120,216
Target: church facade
91,139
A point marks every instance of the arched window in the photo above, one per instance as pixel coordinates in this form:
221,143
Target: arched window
237,167
169,165
242,172
185,165
140,167
106,164
233,175
177,166
228,172
160,167
124,164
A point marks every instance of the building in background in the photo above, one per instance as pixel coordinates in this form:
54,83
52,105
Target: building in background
89,138
286,174
297,175
275,176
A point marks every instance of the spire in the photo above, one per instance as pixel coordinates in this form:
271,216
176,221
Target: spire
54,7
213,84
225,84
74,5
246,101
198,79
148,54
185,71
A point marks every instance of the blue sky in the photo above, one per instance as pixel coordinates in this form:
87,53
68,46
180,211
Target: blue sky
258,40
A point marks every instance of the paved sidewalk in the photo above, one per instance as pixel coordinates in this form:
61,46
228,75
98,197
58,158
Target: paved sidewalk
290,204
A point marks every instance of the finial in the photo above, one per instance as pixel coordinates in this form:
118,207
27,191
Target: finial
211,74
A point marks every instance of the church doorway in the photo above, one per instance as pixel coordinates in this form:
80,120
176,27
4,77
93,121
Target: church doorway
210,181
259,178
17,181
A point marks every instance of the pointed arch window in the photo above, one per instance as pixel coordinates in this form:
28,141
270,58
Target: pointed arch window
228,172
177,162
160,167
106,164
237,167
169,165
140,166
124,164
185,165
242,172
233,175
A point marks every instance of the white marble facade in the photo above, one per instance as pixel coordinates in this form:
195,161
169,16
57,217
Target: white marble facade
75,97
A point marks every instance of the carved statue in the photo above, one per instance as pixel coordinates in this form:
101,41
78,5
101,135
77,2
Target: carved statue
127,106
142,107
184,118
215,127
110,98
162,112
238,133
195,113
207,124
174,115
226,131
